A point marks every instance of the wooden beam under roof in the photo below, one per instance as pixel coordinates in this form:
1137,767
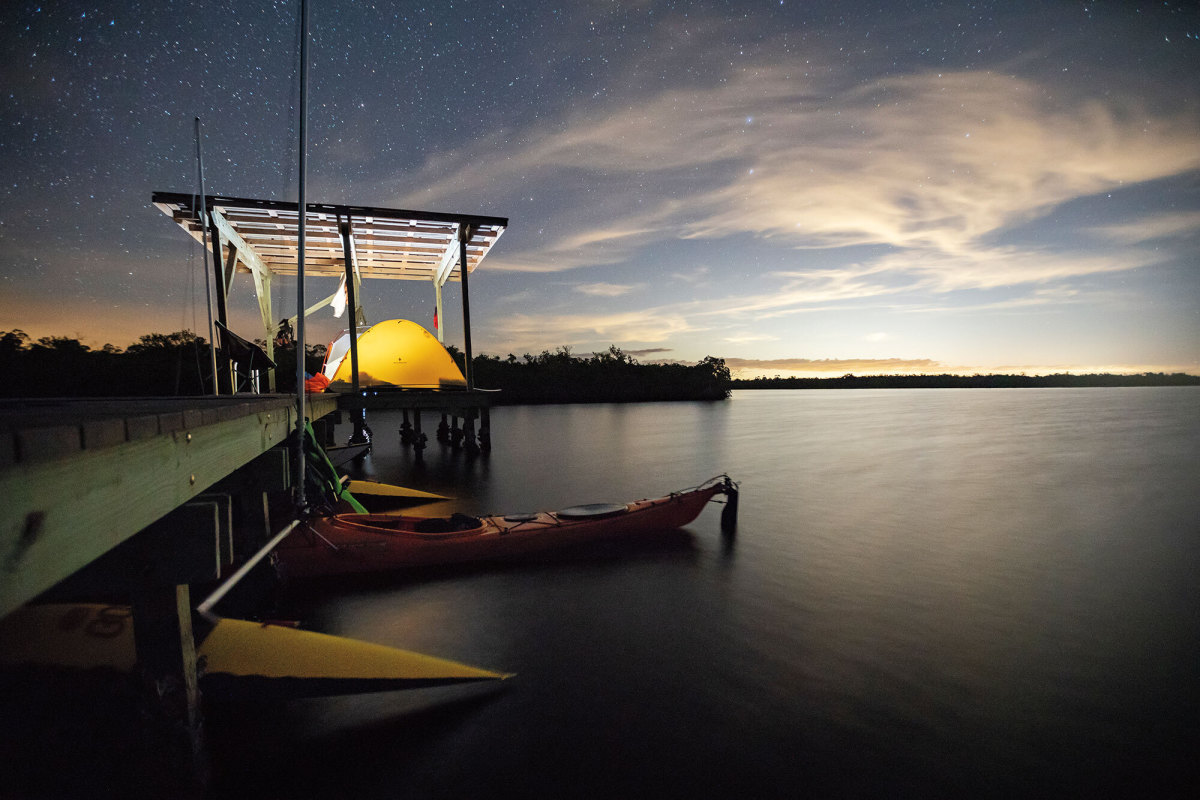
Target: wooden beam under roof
393,244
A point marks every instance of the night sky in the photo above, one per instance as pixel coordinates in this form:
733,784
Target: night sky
799,188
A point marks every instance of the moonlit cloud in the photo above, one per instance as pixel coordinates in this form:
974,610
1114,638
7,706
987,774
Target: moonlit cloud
526,331
930,163
1149,228
823,367
753,181
994,267
605,289
935,171
745,338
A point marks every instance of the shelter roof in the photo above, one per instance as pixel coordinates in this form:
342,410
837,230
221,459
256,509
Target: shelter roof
386,242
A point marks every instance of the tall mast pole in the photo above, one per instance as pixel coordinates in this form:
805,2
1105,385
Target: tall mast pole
298,458
212,342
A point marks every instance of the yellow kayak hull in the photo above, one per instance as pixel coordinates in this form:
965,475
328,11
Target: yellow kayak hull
237,657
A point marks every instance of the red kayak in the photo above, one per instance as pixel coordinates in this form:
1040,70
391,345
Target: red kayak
354,543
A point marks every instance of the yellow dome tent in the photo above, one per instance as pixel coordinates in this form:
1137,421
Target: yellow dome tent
397,353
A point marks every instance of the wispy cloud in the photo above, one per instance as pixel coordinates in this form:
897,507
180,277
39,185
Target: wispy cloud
839,366
929,163
694,274
524,331
744,338
1152,227
605,289
897,190
982,267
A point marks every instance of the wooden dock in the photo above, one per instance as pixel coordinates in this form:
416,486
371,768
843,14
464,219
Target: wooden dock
143,499
79,477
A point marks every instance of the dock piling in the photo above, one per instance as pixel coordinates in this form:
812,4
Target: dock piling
166,655
469,440
485,429
419,438
406,429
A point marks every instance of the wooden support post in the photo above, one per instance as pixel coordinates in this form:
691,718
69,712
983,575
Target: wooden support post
438,317
227,283
225,365
485,429
464,235
456,434
358,416
323,431
419,438
262,283
406,436
230,266
166,656
251,487
469,442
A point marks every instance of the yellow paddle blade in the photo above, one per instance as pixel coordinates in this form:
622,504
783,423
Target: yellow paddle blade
372,488
237,658
251,649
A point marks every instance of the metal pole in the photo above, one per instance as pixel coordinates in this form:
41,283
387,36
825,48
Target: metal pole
205,608
464,234
212,342
298,457
357,414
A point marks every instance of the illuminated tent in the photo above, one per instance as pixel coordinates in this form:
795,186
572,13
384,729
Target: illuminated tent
396,353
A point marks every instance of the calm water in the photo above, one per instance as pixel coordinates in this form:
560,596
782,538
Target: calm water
931,592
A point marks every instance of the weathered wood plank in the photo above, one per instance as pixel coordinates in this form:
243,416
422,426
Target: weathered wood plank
8,449
103,433
49,443
62,513
142,427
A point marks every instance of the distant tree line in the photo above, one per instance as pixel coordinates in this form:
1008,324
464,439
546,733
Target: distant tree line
180,364
970,381
611,376
156,365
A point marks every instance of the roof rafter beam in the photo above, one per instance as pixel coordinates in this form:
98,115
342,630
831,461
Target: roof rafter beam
245,252
387,243
446,265
258,268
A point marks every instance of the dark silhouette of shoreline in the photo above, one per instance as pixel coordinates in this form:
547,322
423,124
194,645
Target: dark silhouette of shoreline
611,376
178,364
1061,380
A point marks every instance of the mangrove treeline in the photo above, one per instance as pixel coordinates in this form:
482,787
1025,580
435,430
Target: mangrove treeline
180,364
970,381
608,377
157,365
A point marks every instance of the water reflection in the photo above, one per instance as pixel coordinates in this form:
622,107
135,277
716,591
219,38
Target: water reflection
980,592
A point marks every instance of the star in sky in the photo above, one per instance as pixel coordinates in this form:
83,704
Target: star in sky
978,187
